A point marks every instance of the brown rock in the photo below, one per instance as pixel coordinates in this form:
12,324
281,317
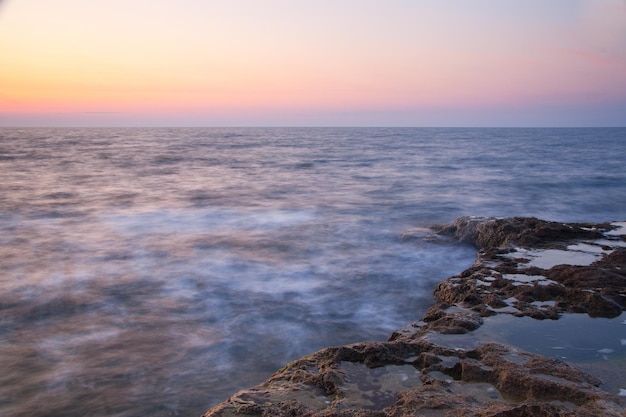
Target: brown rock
491,233
487,381
413,375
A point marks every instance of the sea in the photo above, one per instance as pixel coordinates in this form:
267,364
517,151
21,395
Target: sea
157,271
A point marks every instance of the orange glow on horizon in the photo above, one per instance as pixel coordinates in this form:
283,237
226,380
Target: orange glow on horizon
196,58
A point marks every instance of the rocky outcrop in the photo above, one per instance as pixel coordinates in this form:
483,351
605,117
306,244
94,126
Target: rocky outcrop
525,268
525,231
580,268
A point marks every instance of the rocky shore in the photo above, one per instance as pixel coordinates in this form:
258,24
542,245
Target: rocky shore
453,361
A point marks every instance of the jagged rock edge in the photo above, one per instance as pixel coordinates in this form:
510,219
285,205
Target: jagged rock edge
316,385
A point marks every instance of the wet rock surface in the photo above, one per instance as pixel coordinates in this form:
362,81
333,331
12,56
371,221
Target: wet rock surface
579,268
436,367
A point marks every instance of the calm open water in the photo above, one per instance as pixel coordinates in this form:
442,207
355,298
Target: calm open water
157,271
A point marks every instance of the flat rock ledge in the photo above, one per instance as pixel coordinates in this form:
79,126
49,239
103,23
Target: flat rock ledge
525,267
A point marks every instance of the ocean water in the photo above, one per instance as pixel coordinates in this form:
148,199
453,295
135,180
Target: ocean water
157,271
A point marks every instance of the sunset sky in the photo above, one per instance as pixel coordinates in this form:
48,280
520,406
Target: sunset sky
313,62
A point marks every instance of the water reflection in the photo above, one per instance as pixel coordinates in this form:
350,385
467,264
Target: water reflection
596,345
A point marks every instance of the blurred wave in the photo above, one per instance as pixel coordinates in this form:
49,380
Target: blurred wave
157,271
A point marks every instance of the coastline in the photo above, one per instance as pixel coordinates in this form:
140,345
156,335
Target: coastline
449,362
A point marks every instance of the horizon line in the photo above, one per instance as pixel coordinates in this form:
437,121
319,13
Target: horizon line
308,127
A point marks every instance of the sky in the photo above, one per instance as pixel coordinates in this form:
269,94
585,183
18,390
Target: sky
313,63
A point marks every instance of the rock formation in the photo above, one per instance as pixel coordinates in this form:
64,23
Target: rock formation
436,367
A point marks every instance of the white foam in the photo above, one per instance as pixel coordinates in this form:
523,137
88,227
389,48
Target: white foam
548,258
521,279
586,247
610,243
544,304
507,309
60,346
196,221
622,392
621,229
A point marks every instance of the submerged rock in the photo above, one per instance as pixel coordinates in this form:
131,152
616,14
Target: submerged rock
525,267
